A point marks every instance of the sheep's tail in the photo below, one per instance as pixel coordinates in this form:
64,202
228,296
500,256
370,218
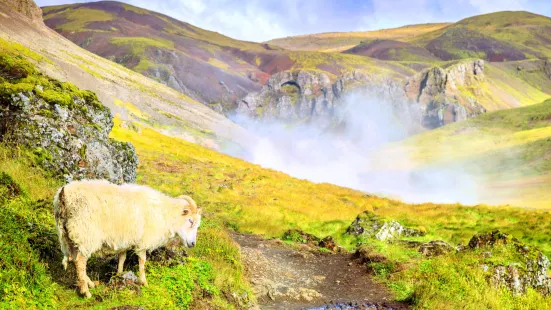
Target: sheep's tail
60,214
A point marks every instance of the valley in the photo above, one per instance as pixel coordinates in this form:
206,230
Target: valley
413,160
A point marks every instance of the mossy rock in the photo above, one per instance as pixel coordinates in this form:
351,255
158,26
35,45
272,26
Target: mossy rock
66,129
9,189
370,225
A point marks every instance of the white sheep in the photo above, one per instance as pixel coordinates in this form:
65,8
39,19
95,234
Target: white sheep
97,216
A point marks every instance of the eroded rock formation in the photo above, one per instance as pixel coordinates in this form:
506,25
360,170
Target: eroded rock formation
28,8
430,98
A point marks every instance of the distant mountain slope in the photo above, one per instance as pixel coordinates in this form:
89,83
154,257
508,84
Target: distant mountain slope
134,97
196,62
207,66
340,41
501,36
224,73
392,50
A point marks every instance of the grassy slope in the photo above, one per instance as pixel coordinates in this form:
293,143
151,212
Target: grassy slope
30,260
508,150
241,196
526,31
262,201
340,41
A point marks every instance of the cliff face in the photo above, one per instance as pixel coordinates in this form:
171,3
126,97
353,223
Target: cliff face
28,8
430,99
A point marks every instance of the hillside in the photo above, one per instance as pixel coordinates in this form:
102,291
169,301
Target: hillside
233,72
506,153
501,36
169,132
340,41
126,93
209,67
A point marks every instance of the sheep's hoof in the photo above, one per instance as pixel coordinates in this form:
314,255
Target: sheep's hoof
143,283
87,294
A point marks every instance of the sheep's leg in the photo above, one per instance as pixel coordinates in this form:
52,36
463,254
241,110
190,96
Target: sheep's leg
82,278
142,257
90,283
122,258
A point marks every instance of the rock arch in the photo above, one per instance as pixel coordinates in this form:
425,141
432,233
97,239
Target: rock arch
292,83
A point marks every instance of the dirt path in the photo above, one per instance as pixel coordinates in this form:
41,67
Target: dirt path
288,278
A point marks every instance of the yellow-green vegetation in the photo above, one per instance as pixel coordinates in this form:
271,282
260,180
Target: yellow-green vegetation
16,49
251,199
217,63
32,276
340,41
132,109
343,62
80,17
524,31
508,151
19,75
268,202
455,281
139,44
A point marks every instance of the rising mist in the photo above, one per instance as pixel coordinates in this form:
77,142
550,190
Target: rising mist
346,154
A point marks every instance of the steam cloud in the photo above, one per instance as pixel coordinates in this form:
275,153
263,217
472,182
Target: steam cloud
344,155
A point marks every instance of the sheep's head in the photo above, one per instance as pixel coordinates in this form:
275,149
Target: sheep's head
190,221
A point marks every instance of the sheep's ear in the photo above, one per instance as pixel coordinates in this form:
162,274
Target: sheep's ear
185,212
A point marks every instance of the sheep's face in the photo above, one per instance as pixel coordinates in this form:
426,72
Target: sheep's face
190,222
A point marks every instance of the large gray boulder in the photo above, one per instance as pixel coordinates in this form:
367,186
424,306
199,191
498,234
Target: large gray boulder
65,129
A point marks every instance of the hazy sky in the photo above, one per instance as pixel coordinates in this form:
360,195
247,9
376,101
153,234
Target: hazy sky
260,20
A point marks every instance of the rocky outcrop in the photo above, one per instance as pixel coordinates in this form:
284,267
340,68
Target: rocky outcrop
28,8
436,248
443,95
528,268
370,225
66,129
431,98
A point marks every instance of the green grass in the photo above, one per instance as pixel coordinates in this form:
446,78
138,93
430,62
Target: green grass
458,281
251,199
139,44
79,18
30,258
32,277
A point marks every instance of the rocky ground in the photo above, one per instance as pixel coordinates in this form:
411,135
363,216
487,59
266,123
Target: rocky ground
286,277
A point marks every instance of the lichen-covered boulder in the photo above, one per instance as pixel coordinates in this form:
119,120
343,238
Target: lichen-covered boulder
66,129
436,248
371,225
522,266
300,236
